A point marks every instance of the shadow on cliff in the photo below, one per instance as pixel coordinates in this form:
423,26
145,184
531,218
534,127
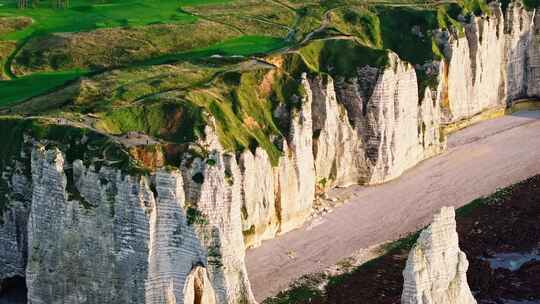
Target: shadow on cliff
13,291
532,114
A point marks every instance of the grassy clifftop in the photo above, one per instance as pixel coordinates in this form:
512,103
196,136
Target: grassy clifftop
234,64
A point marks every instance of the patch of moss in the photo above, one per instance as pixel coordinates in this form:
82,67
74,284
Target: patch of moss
476,7
447,19
214,257
178,122
359,22
407,31
251,230
195,217
495,197
531,4
301,293
341,57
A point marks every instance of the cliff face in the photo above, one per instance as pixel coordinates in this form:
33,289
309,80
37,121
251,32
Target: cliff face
13,225
522,29
475,78
372,138
126,239
436,270
179,236
497,61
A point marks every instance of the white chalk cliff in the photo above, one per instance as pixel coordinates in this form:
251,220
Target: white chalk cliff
436,270
178,236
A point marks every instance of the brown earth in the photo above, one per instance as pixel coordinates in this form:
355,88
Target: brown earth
13,24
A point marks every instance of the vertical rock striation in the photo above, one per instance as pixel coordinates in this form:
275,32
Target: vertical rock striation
125,239
86,245
436,270
282,197
213,193
174,248
475,79
373,139
522,33
296,171
95,235
337,148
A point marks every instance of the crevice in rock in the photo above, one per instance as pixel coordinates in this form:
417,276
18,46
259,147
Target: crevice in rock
473,34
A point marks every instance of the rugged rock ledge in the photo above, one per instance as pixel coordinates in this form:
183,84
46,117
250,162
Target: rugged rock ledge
128,238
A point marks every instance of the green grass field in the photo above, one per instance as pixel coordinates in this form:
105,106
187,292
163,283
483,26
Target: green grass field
241,46
16,90
378,27
85,15
20,89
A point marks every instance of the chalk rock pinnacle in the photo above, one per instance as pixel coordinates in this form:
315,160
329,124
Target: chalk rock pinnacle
436,270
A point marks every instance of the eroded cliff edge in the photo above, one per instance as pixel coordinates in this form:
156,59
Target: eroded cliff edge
100,232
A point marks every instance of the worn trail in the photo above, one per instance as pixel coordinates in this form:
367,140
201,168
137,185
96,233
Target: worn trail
479,159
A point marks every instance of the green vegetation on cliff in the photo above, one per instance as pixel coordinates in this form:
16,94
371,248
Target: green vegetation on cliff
168,69
408,31
531,4
75,143
476,7
341,57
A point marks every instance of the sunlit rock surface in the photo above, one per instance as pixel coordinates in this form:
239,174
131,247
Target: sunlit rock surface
151,238
436,270
119,239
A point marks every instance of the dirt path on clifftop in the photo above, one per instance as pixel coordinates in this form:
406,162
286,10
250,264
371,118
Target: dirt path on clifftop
479,159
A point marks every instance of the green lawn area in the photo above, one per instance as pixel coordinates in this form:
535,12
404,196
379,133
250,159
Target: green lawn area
17,90
241,46
85,15
20,89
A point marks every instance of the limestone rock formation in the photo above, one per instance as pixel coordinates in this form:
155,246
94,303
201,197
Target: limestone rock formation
338,150
279,199
126,239
436,270
522,32
373,138
155,237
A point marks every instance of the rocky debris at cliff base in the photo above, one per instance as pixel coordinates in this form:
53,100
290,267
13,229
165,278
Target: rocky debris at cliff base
324,204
